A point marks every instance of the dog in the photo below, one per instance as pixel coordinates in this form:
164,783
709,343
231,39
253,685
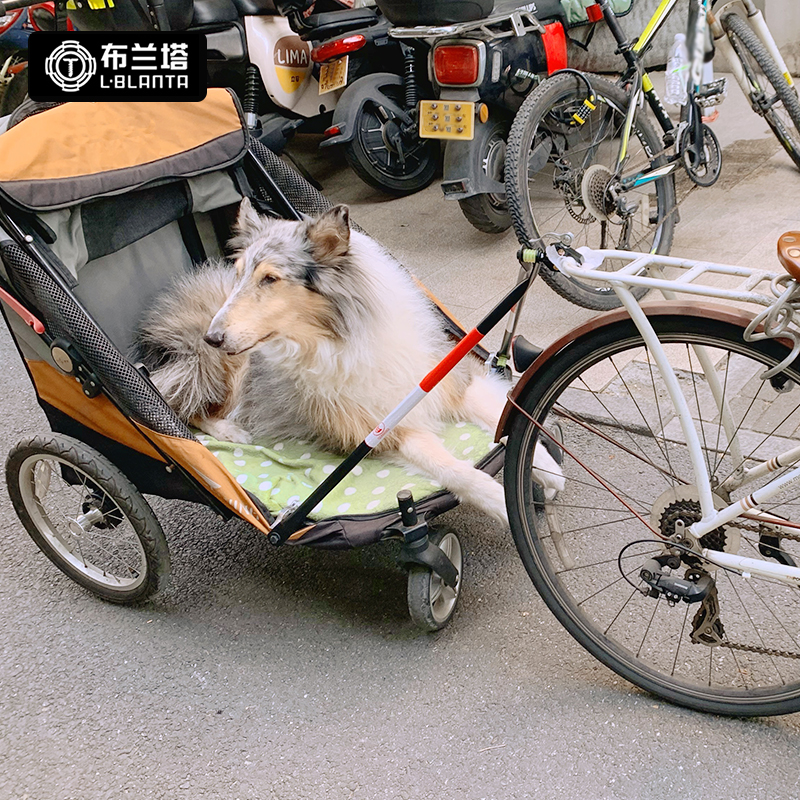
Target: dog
316,333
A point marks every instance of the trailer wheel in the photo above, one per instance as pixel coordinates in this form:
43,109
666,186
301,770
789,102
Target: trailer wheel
87,518
431,602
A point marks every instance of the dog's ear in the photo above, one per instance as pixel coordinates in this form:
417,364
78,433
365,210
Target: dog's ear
248,220
329,235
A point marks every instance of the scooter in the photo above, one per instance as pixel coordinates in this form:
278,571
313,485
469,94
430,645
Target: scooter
484,59
376,121
263,50
260,48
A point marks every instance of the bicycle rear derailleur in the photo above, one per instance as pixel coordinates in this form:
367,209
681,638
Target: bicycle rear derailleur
693,588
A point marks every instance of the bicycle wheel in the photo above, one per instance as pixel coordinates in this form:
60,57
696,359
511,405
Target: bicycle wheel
87,518
770,96
736,652
560,176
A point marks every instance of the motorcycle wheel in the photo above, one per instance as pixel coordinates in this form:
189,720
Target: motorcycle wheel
488,212
377,162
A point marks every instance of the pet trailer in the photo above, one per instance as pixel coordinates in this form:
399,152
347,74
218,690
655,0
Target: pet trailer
93,226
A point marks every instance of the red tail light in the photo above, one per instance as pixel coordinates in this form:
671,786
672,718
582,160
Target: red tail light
456,64
337,49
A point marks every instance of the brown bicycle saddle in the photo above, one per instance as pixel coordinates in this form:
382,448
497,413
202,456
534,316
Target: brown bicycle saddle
789,253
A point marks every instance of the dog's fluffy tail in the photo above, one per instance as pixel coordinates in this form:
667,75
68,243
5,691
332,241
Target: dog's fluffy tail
191,375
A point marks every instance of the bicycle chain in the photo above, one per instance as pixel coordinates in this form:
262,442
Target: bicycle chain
673,211
756,528
764,651
749,648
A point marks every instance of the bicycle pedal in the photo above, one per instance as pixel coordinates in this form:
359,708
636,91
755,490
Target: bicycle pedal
712,94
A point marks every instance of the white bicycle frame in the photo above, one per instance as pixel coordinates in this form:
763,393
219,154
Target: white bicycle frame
646,270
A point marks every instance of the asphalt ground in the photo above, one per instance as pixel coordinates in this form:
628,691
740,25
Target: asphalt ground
291,673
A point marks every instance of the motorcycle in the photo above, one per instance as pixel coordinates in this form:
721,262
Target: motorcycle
484,59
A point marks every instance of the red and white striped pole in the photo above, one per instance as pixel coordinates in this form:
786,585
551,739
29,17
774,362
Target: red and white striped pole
297,518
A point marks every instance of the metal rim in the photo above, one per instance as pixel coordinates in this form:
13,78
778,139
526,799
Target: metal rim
111,556
443,598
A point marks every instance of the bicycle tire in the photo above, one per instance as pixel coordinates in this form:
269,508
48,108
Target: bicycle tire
786,127
643,639
555,99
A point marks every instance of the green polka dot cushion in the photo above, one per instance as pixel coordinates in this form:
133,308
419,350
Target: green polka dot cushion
280,472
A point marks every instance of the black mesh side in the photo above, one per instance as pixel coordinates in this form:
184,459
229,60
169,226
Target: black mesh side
63,316
303,196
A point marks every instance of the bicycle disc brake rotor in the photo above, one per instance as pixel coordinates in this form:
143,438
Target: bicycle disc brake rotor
703,174
595,191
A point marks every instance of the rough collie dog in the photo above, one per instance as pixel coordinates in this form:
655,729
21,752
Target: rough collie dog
316,334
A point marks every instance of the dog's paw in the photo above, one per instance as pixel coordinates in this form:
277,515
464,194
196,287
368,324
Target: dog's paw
493,500
226,431
547,473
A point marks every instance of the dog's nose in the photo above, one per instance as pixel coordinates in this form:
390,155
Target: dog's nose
214,338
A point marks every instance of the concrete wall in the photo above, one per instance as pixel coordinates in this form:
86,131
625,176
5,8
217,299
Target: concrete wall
783,18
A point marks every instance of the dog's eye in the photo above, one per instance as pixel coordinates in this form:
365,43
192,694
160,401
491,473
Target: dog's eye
268,279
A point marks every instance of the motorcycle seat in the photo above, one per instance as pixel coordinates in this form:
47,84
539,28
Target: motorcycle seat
334,23
211,12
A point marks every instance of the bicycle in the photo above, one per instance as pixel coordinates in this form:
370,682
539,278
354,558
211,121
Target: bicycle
672,553
579,146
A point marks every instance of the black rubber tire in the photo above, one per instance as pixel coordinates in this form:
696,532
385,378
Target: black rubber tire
392,180
422,581
105,480
487,212
483,213
16,91
557,583
563,89
745,41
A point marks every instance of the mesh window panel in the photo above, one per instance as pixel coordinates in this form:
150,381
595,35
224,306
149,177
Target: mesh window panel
64,317
303,196
300,193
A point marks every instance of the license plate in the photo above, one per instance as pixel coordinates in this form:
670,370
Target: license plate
333,75
444,119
